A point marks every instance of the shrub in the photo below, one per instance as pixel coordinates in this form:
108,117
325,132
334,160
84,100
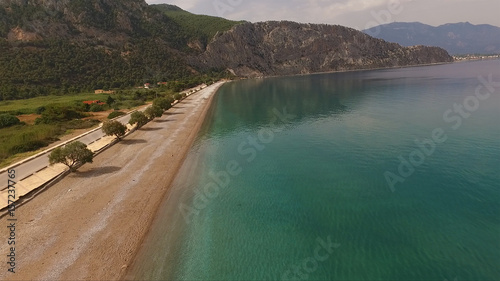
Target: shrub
7,120
133,103
110,100
96,108
40,110
115,114
178,96
80,106
80,124
28,146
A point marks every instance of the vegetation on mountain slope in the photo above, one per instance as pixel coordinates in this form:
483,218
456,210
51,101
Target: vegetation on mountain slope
65,47
200,29
60,48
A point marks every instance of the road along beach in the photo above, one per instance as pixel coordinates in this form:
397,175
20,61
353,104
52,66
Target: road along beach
90,224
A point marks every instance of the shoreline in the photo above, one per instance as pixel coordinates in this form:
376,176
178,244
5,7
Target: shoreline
349,70
92,224
166,220
192,138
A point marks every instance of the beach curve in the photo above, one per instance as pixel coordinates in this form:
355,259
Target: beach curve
91,224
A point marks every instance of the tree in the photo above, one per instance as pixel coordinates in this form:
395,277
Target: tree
72,155
170,99
110,100
163,103
153,111
138,117
114,128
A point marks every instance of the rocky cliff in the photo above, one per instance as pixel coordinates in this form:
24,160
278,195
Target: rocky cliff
89,22
287,48
69,46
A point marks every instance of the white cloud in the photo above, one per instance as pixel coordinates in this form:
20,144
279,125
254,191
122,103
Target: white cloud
353,13
184,4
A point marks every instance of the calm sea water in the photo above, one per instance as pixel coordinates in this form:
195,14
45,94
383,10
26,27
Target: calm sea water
297,178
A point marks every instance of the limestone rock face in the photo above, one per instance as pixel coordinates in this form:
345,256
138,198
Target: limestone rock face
288,48
83,21
125,42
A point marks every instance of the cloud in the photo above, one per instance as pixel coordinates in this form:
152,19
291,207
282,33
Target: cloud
352,13
185,4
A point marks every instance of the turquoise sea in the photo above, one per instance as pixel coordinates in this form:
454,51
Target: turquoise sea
371,175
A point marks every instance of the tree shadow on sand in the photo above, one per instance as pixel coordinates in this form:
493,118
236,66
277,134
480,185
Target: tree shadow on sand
173,113
96,172
134,141
164,120
150,129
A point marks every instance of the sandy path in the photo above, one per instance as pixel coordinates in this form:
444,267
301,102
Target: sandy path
90,224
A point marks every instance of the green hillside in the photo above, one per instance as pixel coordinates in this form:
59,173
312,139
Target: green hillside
197,27
90,44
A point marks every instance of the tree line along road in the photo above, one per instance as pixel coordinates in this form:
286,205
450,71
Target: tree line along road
32,166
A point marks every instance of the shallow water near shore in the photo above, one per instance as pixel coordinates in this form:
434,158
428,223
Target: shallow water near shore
288,181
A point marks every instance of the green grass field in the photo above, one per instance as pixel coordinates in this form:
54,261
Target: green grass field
20,135
28,106
24,140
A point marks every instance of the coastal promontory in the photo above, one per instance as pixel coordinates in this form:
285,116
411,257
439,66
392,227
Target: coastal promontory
120,44
288,48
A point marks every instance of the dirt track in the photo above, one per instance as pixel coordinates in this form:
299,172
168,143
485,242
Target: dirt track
90,224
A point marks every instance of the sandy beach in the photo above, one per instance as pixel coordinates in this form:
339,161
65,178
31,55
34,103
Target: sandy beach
89,225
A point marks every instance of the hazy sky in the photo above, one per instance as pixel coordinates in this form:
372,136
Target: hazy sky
358,14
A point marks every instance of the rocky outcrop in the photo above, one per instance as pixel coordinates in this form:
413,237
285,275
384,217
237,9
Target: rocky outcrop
287,48
94,22
122,43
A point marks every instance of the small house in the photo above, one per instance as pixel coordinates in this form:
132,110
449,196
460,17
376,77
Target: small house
103,92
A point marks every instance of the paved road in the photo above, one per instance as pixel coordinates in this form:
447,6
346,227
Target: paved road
27,169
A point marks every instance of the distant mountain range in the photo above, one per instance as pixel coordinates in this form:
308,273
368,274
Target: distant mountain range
457,38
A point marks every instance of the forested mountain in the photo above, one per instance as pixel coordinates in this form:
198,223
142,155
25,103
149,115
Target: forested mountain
457,38
69,46
199,29
74,45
